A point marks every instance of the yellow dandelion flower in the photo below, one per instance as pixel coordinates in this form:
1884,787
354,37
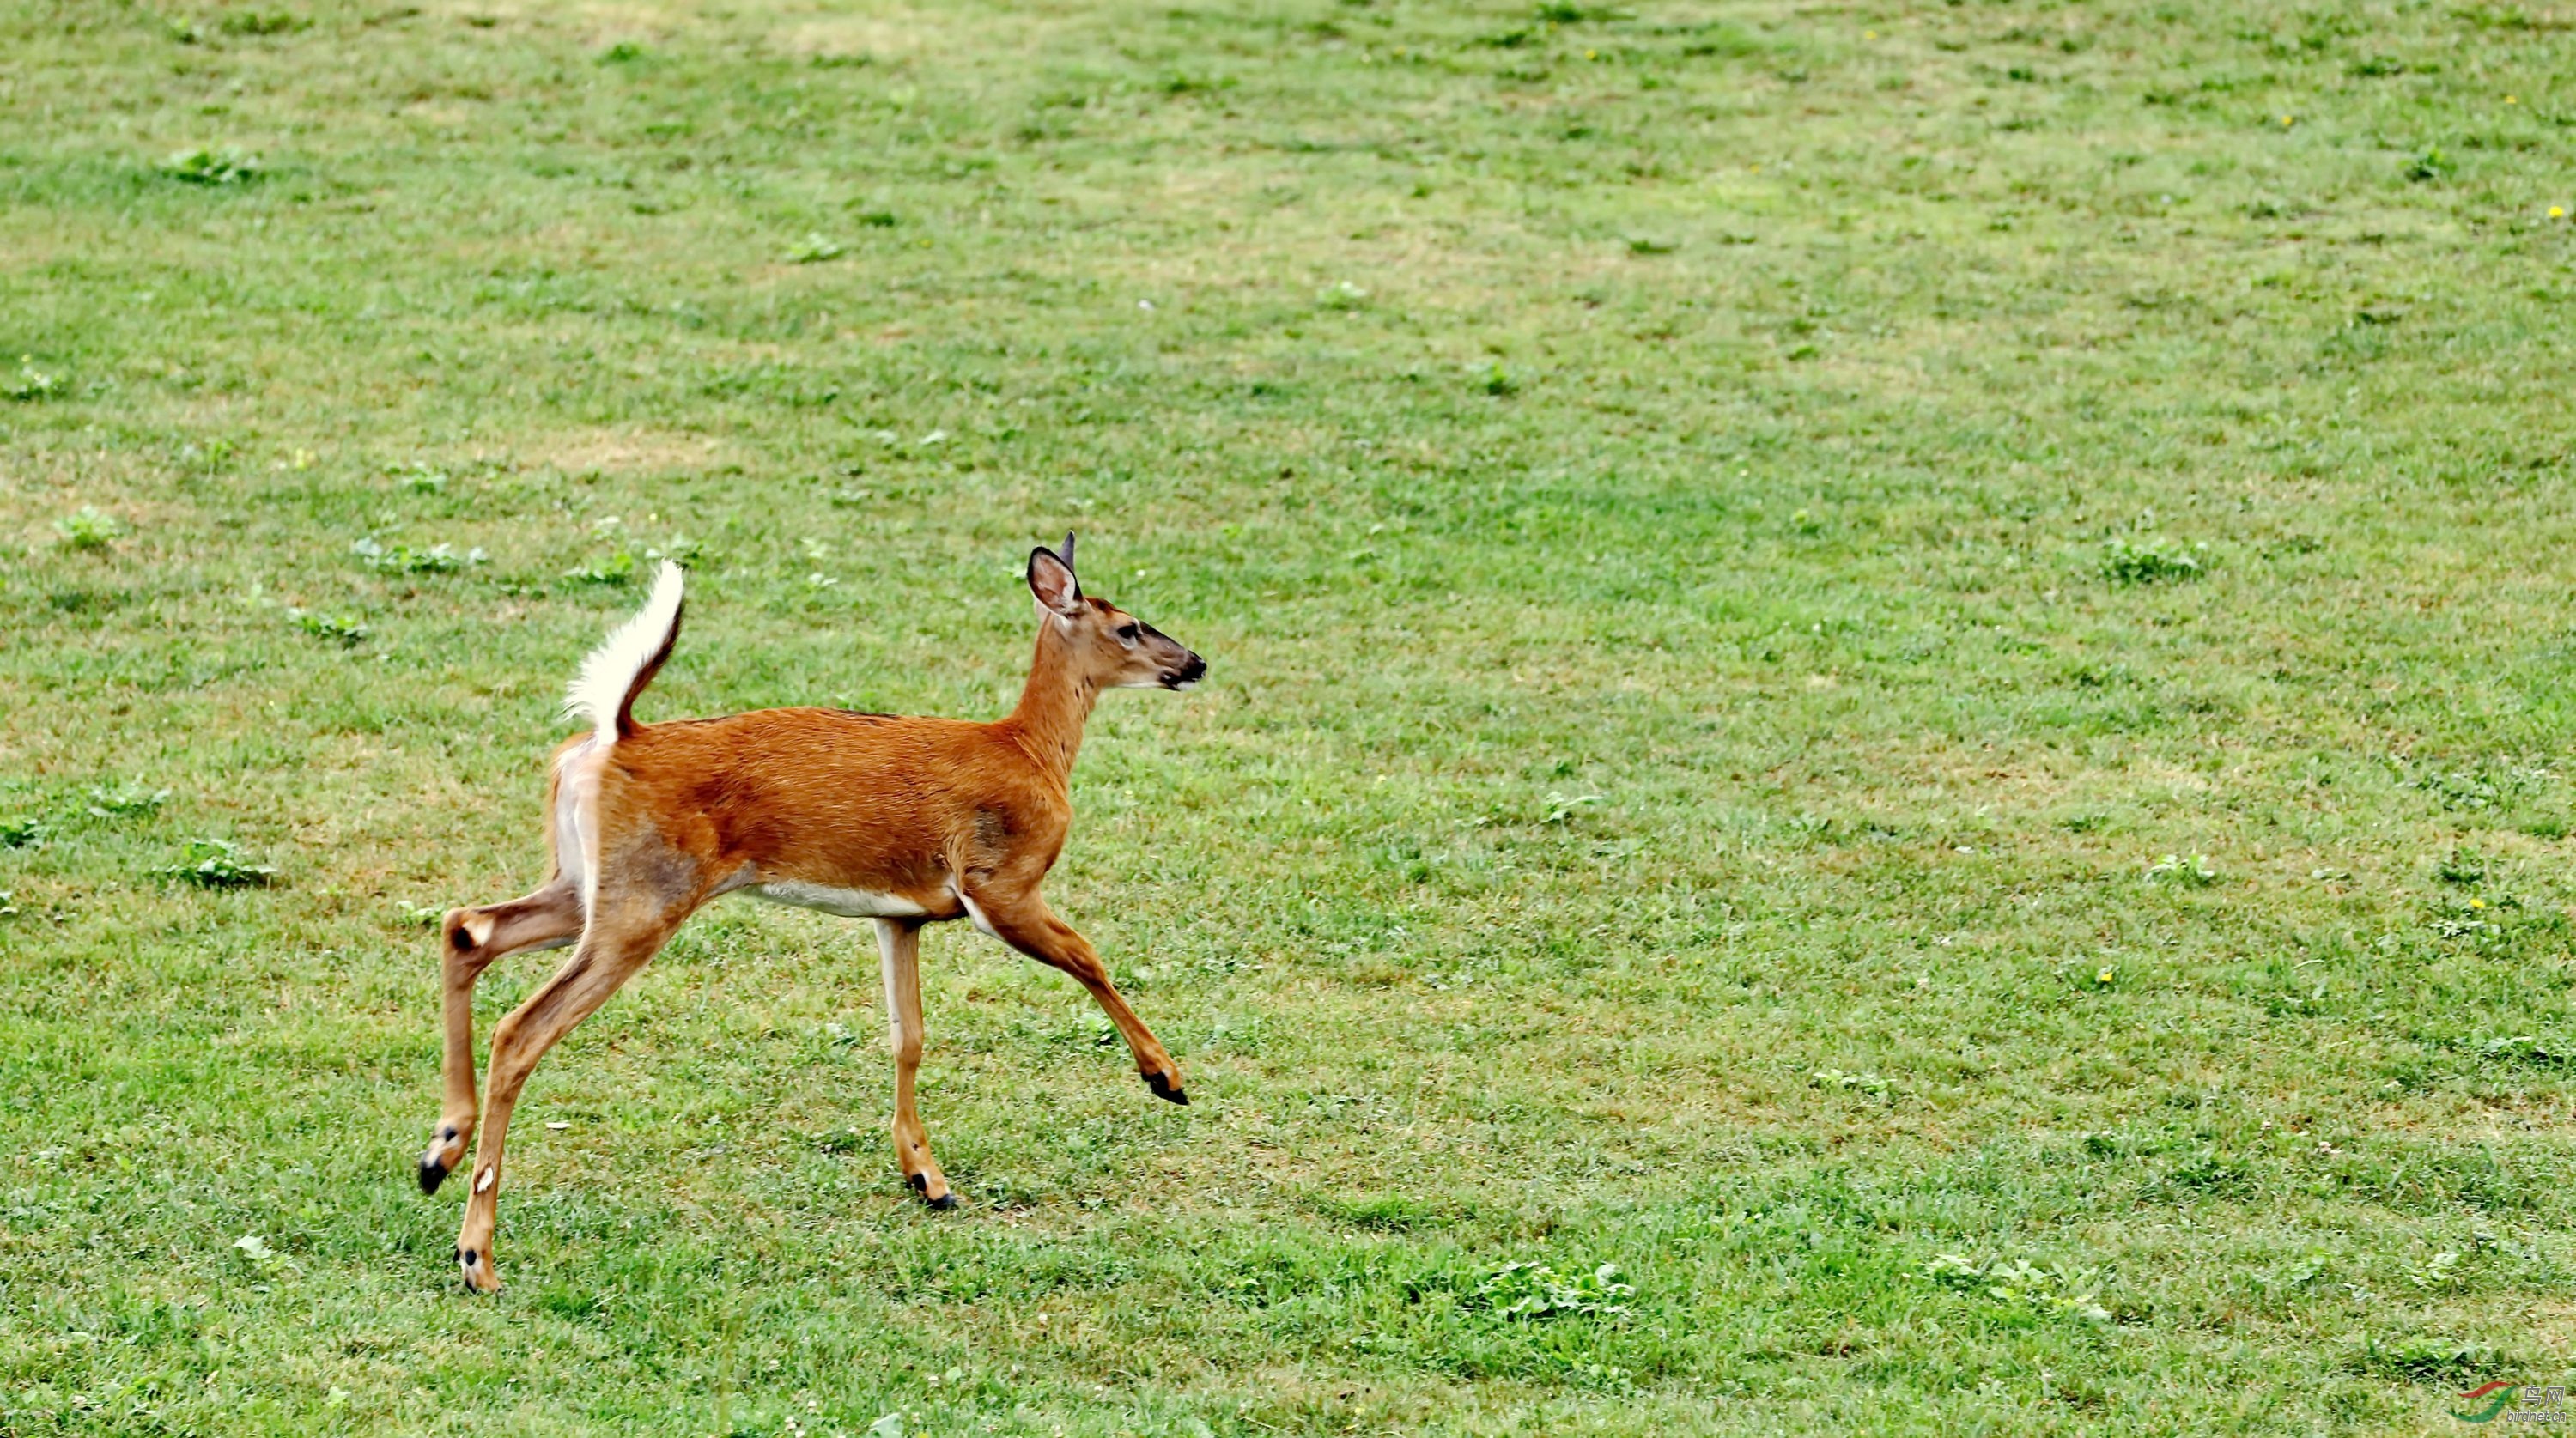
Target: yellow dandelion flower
2287,120
1869,34
2557,212
2510,100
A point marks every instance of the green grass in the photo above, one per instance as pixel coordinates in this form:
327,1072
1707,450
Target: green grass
1840,635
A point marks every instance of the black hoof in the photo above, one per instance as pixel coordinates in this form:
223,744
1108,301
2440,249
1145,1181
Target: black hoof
1165,1089
432,1174
944,1202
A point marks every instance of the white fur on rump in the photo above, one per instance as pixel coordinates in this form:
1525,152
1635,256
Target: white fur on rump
595,695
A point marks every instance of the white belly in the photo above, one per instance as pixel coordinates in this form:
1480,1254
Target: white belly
848,903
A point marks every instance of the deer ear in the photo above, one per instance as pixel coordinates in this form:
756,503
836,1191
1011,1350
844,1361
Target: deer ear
1066,553
1052,581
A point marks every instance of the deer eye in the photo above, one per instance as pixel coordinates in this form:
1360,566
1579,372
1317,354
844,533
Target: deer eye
1127,633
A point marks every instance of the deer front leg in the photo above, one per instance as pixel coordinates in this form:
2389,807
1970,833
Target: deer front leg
610,953
899,950
1023,921
469,940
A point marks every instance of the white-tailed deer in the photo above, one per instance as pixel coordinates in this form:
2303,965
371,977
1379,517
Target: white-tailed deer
904,821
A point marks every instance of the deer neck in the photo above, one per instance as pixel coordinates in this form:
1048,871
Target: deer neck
1054,705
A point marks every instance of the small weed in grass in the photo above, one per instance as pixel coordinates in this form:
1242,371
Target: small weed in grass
617,568
2297,1275
846,1140
422,479
1875,1085
89,531
229,165
343,628
2482,788
403,559
2018,1283
1391,1213
261,22
2470,920
843,1036
1561,808
126,801
218,865
2431,165
1500,384
2529,1049
814,249
1529,1291
2440,1271
2420,1358
2190,870
23,833
2148,561
8,903
2461,867
2212,1173
30,383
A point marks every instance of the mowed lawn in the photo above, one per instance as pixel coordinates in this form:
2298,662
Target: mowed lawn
1906,670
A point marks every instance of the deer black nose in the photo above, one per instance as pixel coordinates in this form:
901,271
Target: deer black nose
1189,673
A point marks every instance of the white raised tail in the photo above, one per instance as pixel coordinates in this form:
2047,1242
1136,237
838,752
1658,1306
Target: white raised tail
603,694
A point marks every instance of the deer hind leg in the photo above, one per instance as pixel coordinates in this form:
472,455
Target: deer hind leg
629,922
469,941
1023,921
899,950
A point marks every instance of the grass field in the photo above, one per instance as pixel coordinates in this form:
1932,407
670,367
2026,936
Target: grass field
1906,668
